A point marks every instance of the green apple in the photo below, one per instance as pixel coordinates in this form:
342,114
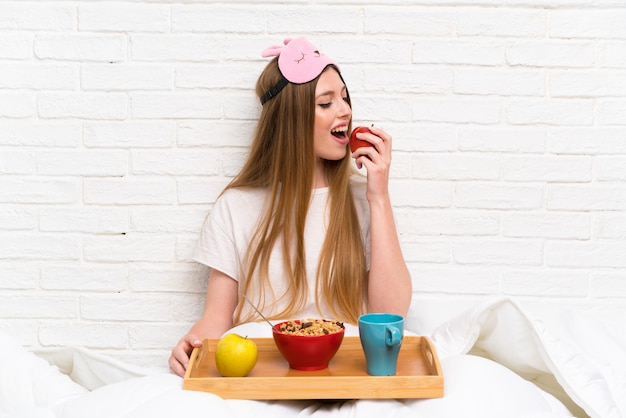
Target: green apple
235,356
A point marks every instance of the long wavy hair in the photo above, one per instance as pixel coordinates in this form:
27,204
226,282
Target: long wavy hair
282,161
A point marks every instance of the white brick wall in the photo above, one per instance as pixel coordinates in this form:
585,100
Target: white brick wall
120,123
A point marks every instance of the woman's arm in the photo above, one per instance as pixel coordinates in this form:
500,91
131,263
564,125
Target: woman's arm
389,284
221,301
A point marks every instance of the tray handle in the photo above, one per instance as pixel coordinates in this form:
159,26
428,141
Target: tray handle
430,354
195,360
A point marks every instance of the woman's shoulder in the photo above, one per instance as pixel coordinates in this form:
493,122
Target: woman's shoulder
238,202
358,181
239,195
358,185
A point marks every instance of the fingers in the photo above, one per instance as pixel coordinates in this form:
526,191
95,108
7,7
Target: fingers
176,367
179,359
377,162
380,133
383,144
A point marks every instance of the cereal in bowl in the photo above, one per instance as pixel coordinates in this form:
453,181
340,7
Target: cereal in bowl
311,327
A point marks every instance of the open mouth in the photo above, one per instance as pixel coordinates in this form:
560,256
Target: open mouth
340,132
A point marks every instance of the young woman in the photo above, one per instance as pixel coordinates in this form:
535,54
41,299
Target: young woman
298,231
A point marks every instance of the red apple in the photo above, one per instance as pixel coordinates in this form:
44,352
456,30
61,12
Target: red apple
356,143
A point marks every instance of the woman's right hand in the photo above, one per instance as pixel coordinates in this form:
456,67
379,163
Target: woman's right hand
179,359
221,300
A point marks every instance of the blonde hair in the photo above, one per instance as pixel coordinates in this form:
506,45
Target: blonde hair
282,160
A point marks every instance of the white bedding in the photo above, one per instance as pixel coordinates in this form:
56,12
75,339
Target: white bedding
498,361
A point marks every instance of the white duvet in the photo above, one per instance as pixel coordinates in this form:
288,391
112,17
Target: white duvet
497,360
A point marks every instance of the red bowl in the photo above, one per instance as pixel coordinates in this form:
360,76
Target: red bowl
307,352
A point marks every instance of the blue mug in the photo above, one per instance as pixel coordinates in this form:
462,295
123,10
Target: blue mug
381,338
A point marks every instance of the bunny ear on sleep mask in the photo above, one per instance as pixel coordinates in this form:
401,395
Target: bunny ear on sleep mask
299,62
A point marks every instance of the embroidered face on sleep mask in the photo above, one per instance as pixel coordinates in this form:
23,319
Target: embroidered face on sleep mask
299,61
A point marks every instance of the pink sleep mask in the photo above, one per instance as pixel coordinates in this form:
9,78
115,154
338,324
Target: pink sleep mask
299,62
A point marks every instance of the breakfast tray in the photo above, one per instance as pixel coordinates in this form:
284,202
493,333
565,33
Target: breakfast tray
418,374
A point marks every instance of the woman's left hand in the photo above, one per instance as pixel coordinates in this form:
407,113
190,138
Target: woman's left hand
377,161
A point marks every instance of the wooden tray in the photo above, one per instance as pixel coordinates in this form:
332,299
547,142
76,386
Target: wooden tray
418,374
